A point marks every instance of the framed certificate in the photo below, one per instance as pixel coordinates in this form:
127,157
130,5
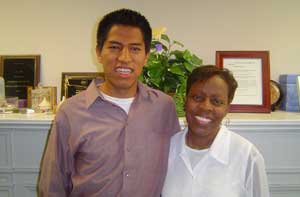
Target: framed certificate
298,88
19,72
251,69
74,82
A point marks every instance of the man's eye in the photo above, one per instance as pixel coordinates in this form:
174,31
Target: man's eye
135,49
114,47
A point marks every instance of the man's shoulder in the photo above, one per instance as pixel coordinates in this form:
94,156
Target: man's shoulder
158,95
75,102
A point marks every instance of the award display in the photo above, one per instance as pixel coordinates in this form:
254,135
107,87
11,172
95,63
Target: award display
251,69
75,82
19,72
42,99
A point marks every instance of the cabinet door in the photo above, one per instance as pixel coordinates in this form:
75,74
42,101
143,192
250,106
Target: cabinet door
25,184
28,147
6,191
5,149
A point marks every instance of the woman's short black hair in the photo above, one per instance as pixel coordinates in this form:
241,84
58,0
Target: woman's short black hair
203,73
124,17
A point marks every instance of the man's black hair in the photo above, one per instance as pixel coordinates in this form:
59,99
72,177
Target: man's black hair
124,17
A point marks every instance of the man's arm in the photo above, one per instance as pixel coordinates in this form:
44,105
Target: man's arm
174,119
56,167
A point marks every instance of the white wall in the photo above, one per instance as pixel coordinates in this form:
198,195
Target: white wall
63,31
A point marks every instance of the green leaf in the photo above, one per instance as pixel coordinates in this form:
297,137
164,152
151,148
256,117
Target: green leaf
196,60
165,37
187,55
188,66
178,43
178,54
177,69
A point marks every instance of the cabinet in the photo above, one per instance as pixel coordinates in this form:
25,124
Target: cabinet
22,141
277,136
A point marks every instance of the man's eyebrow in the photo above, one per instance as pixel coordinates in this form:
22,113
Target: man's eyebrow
137,44
119,43
115,42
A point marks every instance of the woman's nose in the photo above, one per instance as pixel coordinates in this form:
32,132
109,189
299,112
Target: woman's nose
206,104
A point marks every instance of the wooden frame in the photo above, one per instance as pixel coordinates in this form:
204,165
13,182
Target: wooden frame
19,72
74,82
251,69
298,87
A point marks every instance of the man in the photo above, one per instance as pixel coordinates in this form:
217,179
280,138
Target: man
112,139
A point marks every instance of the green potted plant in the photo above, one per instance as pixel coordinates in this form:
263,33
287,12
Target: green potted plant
167,69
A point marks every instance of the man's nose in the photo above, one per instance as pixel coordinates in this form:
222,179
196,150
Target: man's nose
125,55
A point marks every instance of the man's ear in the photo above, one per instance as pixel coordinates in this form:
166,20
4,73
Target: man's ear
146,59
98,52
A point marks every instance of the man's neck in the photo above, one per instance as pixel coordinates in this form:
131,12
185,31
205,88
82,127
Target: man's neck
117,93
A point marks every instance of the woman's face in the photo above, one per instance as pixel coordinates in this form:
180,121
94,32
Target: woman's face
206,105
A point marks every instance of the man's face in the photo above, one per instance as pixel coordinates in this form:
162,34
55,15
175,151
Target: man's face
123,56
206,105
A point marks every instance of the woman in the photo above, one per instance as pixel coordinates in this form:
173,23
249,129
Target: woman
207,159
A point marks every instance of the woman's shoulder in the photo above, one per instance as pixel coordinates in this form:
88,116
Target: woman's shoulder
242,144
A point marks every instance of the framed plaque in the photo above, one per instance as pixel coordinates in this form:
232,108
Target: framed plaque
74,82
19,72
298,88
251,69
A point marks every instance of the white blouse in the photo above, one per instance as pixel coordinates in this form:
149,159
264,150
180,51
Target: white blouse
231,167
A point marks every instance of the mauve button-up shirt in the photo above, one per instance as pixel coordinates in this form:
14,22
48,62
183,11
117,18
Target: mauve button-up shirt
96,149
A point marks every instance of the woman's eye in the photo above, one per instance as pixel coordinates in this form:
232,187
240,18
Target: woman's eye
197,98
217,101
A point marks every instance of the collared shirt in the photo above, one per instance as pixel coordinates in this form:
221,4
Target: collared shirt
96,149
231,167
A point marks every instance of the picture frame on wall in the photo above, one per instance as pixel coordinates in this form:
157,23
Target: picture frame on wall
298,88
19,72
251,69
74,82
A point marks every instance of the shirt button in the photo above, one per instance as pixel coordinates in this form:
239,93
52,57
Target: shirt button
127,175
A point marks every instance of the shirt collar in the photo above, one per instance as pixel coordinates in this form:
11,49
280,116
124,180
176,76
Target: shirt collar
219,149
220,146
92,92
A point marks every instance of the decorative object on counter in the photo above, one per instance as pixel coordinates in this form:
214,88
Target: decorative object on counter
2,92
42,98
74,82
275,95
289,89
19,72
44,105
251,69
9,105
167,69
